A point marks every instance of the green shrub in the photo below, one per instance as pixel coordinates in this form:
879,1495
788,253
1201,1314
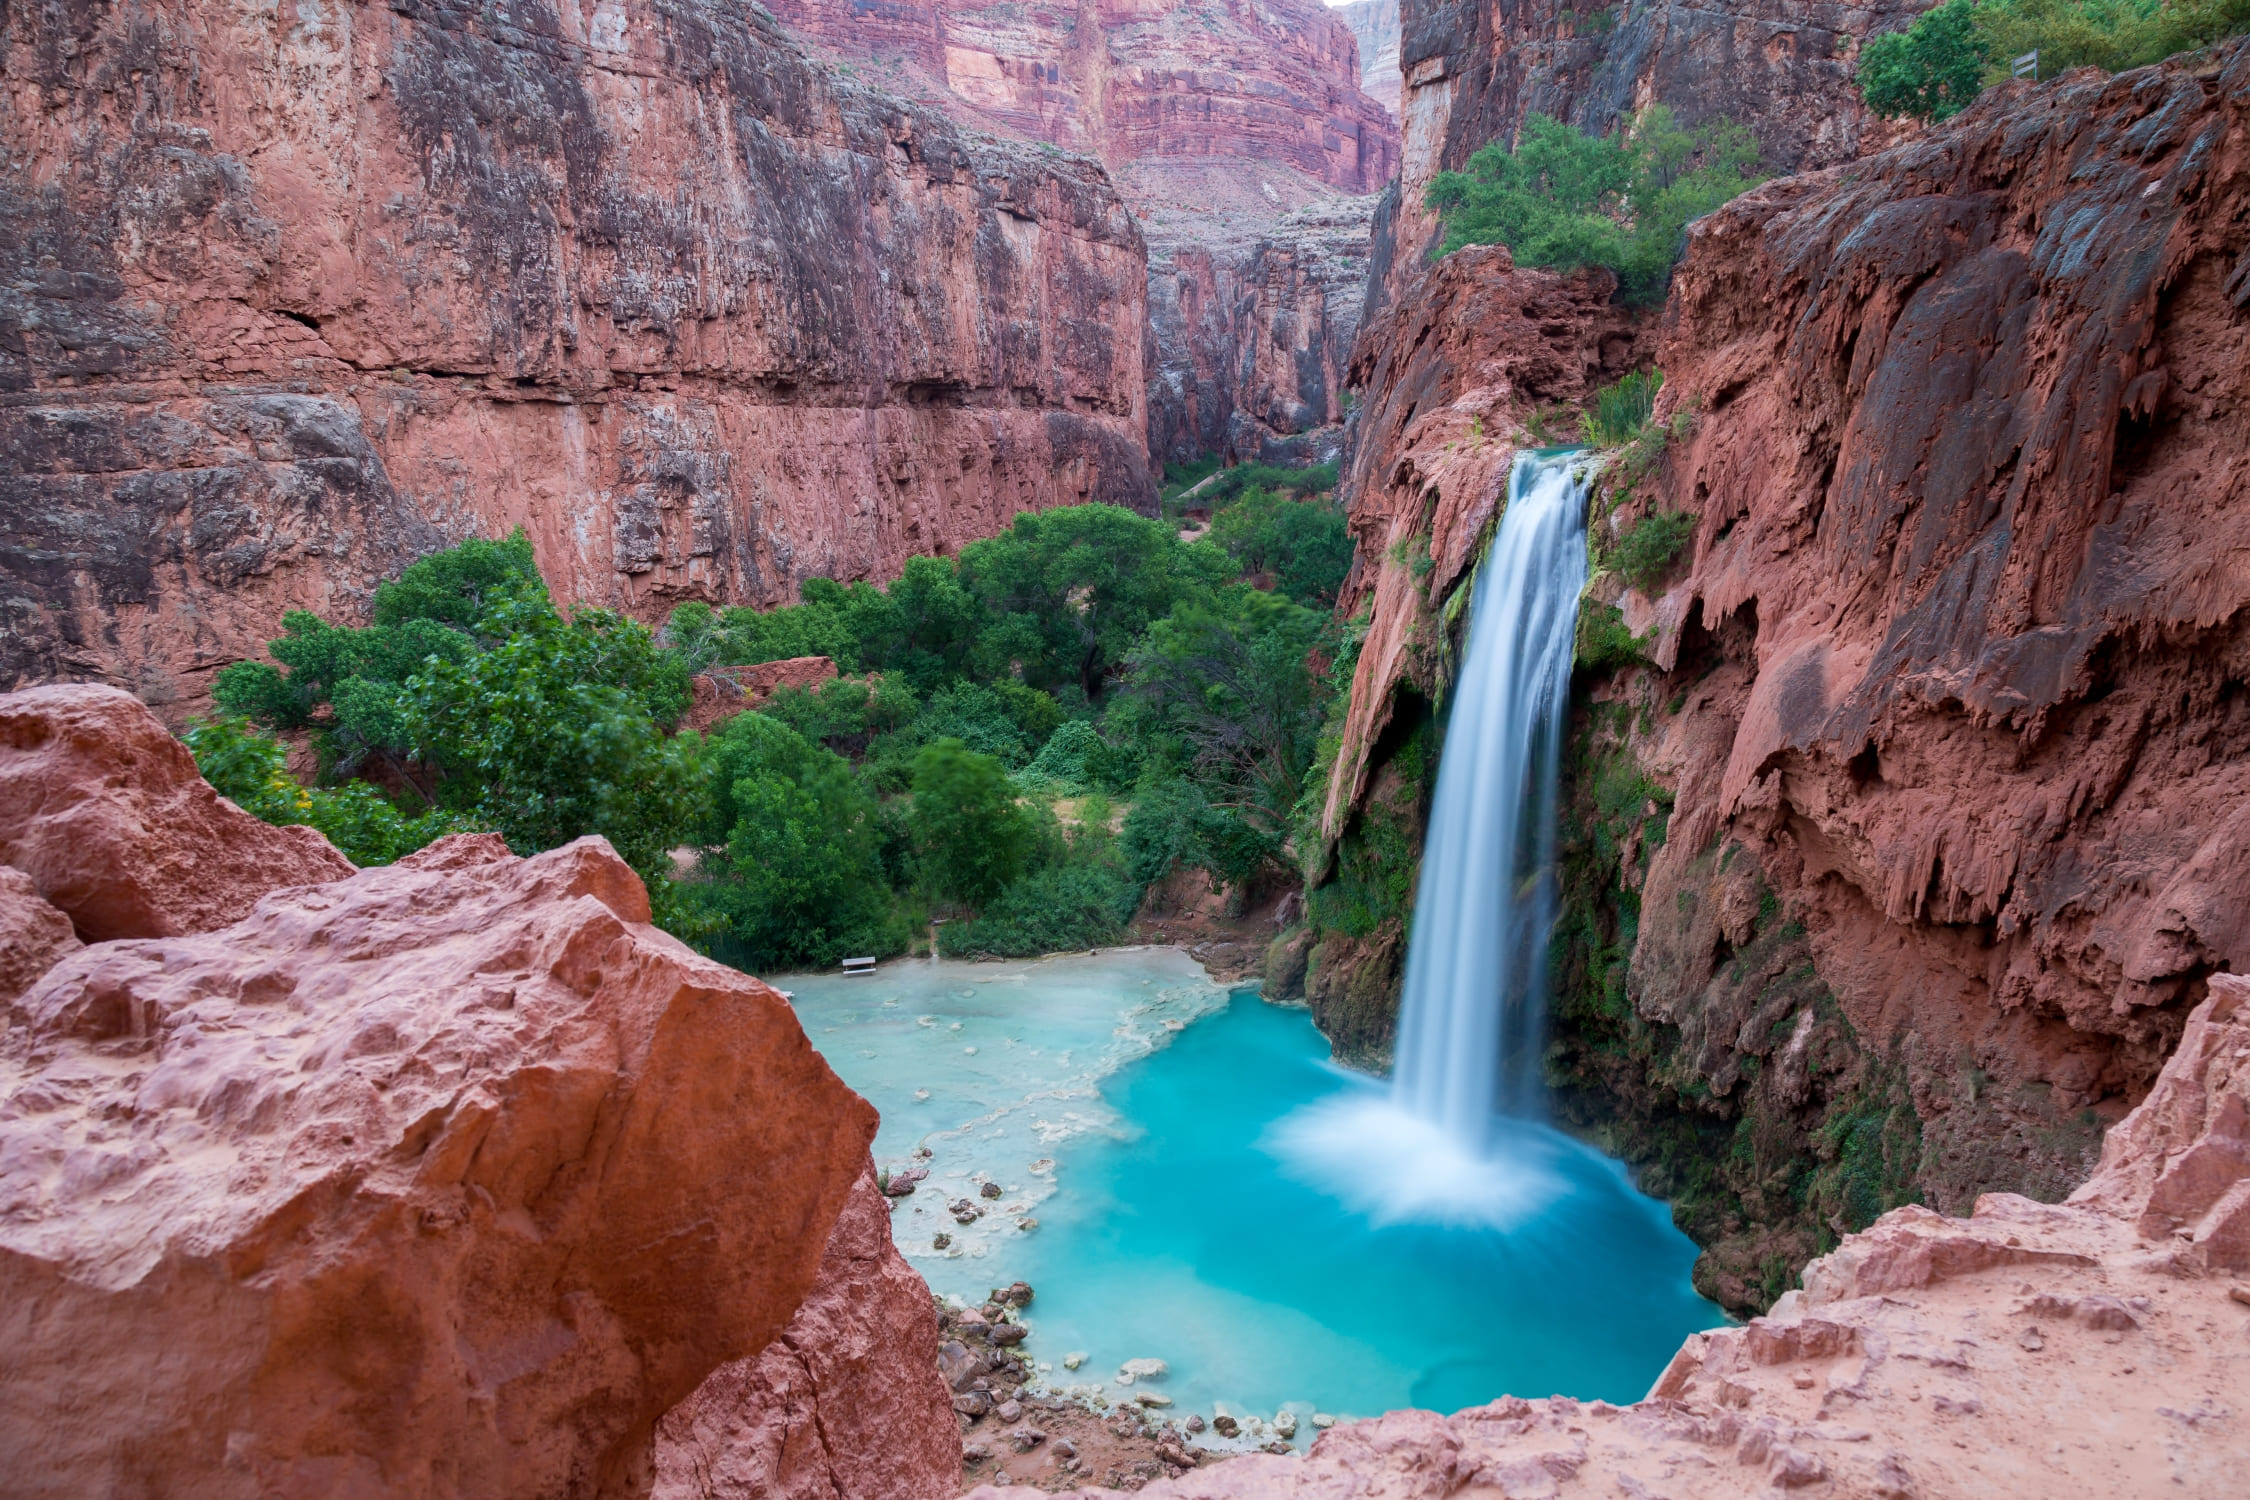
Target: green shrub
251,770
1937,67
1622,410
1564,199
1056,909
1647,552
1604,644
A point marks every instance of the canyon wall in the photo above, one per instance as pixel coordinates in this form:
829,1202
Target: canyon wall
1782,70
1220,121
1375,24
1898,843
291,300
447,1178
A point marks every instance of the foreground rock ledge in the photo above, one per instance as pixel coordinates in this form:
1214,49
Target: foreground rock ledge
447,1178
2096,1347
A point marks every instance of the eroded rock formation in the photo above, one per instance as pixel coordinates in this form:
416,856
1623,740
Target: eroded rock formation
445,1178
107,816
2099,1347
289,304
1955,663
1216,119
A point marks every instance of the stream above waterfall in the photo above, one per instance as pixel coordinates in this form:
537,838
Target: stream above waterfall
1141,1115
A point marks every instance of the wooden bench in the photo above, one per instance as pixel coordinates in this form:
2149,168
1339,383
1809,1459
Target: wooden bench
860,965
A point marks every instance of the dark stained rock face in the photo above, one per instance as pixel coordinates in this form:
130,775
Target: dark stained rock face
287,307
1783,70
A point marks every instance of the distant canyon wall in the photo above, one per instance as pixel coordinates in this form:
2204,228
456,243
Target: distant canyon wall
1375,24
290,300
1243,141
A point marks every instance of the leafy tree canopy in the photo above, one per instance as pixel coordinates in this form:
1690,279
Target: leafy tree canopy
970,838
550,735
1564,199
802,881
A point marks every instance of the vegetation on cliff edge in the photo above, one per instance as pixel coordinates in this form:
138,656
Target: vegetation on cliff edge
1936,67
1564,199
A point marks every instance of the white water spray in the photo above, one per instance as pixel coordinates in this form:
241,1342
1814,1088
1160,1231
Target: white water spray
1472,1022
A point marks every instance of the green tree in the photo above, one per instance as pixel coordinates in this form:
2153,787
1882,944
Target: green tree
971,841
1066,592
1236,682
1304,546
1565,199
801,880
1932,69
550,735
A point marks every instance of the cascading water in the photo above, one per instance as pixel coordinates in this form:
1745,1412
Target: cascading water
1472,1021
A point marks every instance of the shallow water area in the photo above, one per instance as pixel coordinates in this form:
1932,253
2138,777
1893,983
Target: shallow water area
1210,1191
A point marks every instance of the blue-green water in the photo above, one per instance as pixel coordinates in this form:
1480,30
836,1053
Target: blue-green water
1208,1190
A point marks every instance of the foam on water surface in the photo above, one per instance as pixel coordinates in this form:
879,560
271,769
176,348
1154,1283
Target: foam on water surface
1212,1192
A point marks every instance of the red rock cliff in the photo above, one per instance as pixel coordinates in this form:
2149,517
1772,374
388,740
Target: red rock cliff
446,1178
1217,118
1964,631
1897,871
293,302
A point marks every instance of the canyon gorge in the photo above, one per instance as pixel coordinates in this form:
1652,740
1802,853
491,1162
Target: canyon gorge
1898,863
291,302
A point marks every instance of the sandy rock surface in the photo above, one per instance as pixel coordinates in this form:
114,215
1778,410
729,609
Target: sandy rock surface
847,1404
2097,1347
33,933
447,1178
106,813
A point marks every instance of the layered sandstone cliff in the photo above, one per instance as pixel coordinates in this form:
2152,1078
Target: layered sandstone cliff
289,302
1894,872
2100,1347
1218,120
447,1178
1375,24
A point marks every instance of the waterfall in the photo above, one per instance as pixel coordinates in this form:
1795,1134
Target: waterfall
1472,1025
1450,1144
